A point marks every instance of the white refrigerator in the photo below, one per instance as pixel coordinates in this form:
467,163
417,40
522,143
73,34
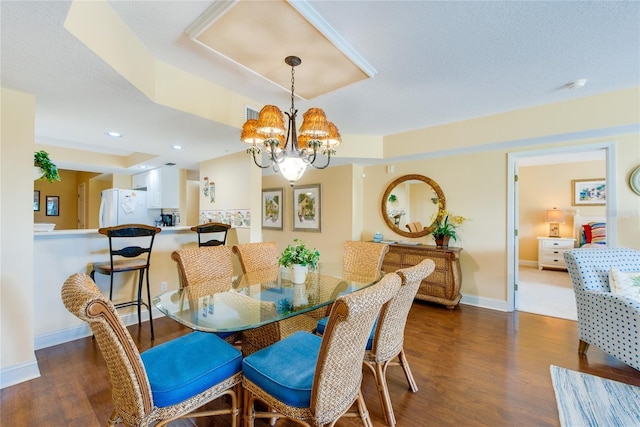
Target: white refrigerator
119,206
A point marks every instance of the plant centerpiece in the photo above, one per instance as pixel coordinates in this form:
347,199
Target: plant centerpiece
299,258
45,168
445,227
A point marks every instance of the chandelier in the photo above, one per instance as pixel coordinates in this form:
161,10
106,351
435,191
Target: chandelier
291,156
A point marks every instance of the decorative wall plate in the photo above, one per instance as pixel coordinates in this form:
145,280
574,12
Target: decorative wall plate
634,180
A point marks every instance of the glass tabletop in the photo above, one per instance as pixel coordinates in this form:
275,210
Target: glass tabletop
238,303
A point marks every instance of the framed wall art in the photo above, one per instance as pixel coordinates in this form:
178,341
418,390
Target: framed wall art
53,206
589,192
307,208
272,208
36,200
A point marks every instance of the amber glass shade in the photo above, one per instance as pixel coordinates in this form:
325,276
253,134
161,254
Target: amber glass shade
314,123
250,133
270,121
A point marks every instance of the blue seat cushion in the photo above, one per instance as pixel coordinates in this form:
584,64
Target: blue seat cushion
322,324
186,366
285,369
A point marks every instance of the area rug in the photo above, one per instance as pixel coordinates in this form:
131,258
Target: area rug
585,400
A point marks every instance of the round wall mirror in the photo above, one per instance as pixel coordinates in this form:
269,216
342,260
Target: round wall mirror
411,203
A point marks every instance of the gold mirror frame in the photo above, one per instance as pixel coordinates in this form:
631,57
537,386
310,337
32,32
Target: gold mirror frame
387,193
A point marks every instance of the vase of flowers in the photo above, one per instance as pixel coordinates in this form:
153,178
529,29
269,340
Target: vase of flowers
299,258
445,228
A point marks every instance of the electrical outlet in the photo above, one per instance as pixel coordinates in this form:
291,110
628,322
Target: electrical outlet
163,286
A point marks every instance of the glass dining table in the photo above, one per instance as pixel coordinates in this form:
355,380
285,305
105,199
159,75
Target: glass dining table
254,303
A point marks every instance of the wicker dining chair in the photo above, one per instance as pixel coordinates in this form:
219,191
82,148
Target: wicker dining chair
321,378
203,264
257,256
209,269
166,382
130,248
211,233
388,335
361,262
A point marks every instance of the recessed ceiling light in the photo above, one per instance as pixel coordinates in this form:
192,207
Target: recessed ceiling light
177,147
143,167
113,134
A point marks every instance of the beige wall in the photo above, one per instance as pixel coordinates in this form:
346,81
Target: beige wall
237,186
16,231
549,186
338,204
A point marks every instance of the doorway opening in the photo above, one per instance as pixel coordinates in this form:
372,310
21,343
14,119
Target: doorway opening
529,230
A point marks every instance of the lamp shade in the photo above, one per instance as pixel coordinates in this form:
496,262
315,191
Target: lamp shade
314,123
270,121
554,215
333,139
250,133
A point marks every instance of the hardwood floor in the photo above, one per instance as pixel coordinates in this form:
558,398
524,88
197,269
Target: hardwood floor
473,367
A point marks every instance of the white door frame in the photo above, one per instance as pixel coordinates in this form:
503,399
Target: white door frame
513,197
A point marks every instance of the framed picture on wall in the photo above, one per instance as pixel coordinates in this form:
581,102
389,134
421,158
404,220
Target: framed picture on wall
307,208
272,208
53,206
589,192
36,200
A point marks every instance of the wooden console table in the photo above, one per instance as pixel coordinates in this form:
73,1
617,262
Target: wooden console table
443,285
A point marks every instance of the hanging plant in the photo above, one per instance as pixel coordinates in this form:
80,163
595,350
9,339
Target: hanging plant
50,170
392,198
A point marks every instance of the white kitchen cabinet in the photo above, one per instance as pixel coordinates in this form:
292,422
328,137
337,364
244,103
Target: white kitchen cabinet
551,251
163,188
139,181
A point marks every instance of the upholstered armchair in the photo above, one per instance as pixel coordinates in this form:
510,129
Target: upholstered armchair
606,319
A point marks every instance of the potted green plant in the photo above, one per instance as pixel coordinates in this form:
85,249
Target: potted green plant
45,168
299,258
445,228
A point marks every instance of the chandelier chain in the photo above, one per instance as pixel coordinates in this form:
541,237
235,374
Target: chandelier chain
293,80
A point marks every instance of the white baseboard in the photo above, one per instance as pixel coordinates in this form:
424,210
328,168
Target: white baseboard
17,374
60,337
27,371
525,263
489,303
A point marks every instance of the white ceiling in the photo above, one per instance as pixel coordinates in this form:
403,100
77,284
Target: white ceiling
436,61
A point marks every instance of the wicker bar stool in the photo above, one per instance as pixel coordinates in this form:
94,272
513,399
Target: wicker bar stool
166,382
321,378
129,256
211,233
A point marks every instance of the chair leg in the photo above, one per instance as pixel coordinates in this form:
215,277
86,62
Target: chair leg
362,410
407,371
583,347
139,302
149,305
383,392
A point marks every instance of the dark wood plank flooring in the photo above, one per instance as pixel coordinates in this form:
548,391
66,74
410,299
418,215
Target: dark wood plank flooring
473,366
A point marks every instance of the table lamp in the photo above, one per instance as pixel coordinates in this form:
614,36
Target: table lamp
554,219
